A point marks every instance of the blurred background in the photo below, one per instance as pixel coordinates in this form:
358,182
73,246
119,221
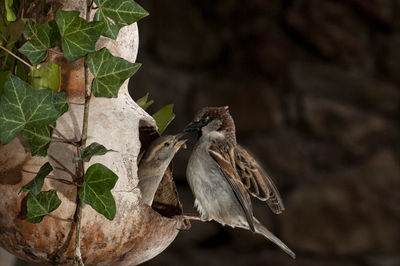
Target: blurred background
314,89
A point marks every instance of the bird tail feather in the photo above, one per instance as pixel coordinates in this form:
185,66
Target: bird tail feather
260,229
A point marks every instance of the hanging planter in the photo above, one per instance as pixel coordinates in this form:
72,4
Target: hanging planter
137,232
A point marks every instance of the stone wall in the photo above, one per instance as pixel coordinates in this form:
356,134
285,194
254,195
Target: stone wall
314,89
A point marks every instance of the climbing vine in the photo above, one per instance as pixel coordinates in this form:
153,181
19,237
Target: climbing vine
31,99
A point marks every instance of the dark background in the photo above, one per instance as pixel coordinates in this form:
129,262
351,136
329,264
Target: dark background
314,88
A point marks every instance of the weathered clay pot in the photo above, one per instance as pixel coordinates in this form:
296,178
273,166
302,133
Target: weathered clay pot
138,232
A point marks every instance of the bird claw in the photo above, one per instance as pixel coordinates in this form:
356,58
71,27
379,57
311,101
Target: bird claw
184,220
184,224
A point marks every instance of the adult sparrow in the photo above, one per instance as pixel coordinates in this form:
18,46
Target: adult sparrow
222,174
154,162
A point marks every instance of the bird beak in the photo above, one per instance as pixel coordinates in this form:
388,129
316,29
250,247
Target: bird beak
192,127
180,143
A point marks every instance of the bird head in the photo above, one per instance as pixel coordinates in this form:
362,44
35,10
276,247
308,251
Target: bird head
164,148
213,119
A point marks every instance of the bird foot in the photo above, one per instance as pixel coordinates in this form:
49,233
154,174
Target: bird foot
191,216
185,220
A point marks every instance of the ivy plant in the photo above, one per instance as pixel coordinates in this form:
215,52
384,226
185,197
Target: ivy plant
163,117
116,14
41,38
109,72
31,100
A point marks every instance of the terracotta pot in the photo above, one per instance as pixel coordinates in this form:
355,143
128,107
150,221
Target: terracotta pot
138,232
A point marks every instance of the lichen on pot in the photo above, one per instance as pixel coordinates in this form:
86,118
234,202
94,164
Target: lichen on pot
138,232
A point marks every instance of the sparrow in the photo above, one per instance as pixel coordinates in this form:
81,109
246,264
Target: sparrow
222,175
154,162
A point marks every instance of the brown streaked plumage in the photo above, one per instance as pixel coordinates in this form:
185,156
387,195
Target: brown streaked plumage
222,174
257,182
222,114
154,162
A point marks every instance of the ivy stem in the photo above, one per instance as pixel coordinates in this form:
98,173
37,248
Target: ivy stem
63,167
16,56
62,136
55,51
80,165
61,219
53,139
64,181
81,169
78,219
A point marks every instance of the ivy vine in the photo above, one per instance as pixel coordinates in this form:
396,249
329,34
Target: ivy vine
31,100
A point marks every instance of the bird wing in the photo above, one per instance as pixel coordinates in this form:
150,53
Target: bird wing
222,154
256,180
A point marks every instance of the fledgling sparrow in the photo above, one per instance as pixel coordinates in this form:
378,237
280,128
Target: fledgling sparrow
222,174
154,162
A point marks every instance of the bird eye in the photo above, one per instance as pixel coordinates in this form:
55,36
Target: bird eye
166,144
204,121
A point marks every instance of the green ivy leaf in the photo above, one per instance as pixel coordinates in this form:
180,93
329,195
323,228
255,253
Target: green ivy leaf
125,11
9,12
109,72
60,102
22,107
111,29
39,138
40,205
35,54
96,191
102,203
3,78
46,76
79,37
114,13
90,151
99,178
143,103
43,36
36,183
29,30
163,117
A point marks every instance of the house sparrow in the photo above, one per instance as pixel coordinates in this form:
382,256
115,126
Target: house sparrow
222,174
154,162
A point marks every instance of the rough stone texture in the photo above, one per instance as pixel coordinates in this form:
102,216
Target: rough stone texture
200,48
388,56
314,89
283,154
354,211
353,87
261,103
331,28
359,132
379,10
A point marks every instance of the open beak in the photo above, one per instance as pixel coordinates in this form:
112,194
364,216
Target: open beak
180,143
193,127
